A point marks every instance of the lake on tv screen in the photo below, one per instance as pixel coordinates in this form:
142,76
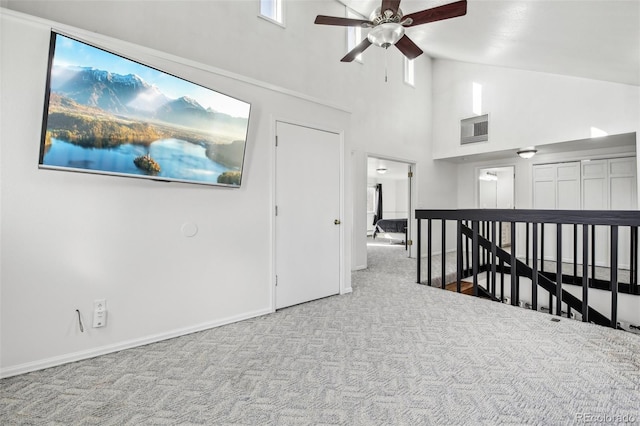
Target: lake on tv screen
178,159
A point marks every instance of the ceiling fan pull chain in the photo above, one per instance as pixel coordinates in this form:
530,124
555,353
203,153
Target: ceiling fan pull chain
385,64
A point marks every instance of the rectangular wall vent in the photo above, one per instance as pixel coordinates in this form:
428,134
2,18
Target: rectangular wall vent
474,129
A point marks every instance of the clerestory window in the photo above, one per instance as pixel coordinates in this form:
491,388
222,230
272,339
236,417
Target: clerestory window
354,34
409,72
272,10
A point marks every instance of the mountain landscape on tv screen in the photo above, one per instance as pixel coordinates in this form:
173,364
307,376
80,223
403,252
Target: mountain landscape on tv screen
95,108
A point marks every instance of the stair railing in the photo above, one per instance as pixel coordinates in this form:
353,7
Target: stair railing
483,230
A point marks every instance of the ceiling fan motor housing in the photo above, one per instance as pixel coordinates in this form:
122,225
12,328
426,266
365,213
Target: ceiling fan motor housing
377,17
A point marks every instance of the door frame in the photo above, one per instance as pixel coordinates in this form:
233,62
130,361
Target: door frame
345,284
413,195
478,169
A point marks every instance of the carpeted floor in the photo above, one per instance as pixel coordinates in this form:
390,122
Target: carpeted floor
391,353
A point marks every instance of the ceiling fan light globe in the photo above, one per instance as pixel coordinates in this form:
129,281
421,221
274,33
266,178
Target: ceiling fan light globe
384,35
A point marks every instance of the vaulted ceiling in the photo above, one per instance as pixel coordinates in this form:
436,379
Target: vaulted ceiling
597,39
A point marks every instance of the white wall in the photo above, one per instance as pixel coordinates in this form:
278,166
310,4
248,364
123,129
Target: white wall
401,134
487,194
402,199
68,239
526,108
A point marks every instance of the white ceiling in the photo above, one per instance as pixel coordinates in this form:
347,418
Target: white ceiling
597,39
395,170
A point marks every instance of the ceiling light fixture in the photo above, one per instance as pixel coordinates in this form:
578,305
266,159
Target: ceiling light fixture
381,170
387,26
385,35
527,153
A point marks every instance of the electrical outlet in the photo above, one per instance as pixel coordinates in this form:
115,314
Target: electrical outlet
100,305
99,313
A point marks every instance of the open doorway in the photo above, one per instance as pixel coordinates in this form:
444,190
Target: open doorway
496,190
389,207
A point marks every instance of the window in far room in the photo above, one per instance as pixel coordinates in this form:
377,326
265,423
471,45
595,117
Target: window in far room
272,11
354,34
409,73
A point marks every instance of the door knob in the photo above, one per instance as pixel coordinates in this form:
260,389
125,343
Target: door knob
337,222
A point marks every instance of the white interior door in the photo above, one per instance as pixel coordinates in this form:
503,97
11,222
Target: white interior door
557,187
307,232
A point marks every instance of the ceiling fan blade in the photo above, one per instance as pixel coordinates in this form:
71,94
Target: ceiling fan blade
439,13
356,51
390,4
408,47
343,22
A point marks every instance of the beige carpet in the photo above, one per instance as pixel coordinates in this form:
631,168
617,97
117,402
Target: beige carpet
391,353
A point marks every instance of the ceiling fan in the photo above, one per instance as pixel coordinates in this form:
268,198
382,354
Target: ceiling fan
387,25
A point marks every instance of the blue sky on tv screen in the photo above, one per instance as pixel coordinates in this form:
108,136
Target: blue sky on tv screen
69,52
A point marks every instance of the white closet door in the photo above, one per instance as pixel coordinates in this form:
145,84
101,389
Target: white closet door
557,187
595,196
568,198
544,197
623,196
622,184
608,184
544,186
307,237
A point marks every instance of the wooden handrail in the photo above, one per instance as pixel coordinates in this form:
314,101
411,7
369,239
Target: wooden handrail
579,217
479,227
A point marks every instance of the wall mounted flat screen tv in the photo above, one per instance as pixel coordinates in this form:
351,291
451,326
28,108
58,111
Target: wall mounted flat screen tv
108,114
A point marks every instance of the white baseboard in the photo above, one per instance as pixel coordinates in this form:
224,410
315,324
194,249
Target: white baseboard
103,350
347,290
